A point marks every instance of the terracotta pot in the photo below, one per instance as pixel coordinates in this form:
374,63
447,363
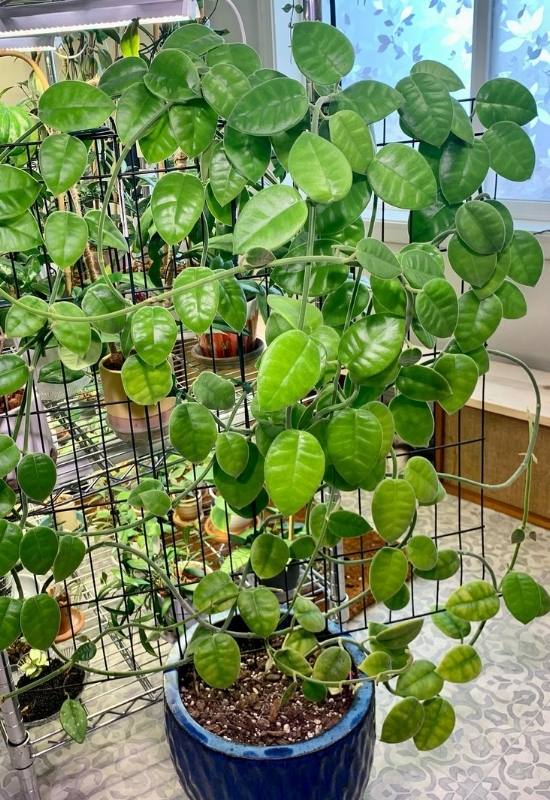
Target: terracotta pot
40,436
188,510
128,420
72,620
222,344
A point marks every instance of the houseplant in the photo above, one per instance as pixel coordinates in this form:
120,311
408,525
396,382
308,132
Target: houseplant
337,359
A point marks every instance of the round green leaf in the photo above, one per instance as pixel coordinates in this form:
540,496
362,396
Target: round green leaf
215,592
14,372
268,555
378,259
193,126
451,626
213,391
10,624
398,600
427,110
25,321
154,333
240,55
420,681
144,384
242,490
393,507
511,152
403,721
422,383
401,177
461,125
354,443
481,227
422,552
413,420
294,467
325,277
249,155
350,134
347,524
504,99
460,664
232,305
521,596
332,665
270,107
289,369
217,660
497,278
260,610
272,217
477,320
388,573
19,234
69,557
121,75
177,204
101,299
292,663
63,160
9,454
74,106
447,564
336,304
173,76
308,615
474,601
195,38
311,42
526,258
112,237
192,431
36,476
427,223
472,267
385,418
197,305
514,305
443,73
460,372
421,262
66,237
38,550
232,452
136,107
420,473
371,99
371,345
376,664
333,217
437,307
223,86
75,335
398,635
74,720
462,169
438,724
319,168
18,191
10,540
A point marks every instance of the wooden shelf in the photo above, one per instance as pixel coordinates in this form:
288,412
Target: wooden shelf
508,392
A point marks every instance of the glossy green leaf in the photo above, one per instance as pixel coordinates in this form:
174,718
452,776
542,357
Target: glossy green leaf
19,234
25,321
9,454
294,466
442,72
242,490
371,345
311,42
270,107
401,177
460,664
504,99
144,384
260,610
422,552
66,236
69,557
475,601
308,615
196,306
451,626
477,320
507,218
158,143
350,134
36,476
480,227
393,507
514,305
388,573
325,277
422,383
497,278
413,420
337,303
217,660
399,635
447,564
232,305
461,125
122,74
249,155
461,374
154,333
74,106
438,724
100,299
292,663
14,372
240,55
63,159
223,86
403,721
511,152
378,259
319,168
75,335
474,268
215,592
462,169
421,262
333,665
232,452
268,555
289,369
10,540
272,217
333,217
214,391
347,524
375,664
177,204
173,76
427,223
420,473
192,431
112,237
10,625
226,183
427,110
354,443
544,601
38,550
437,307
521,596
526,258
301,641
373,100
136,107
74,720
420,680
195,38
289,309
193,126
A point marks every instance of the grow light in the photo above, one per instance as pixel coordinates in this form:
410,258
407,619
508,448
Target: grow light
28,44
40,17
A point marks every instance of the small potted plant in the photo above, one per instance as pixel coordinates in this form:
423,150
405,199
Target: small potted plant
45,702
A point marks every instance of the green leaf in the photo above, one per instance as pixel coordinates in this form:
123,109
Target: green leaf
231,452
10,625
461,125
437,307
447,564
291,662
427,223
400,634
462,169
420,473
196,306
393,507
294,467
438,724
336,304
289,369
192,431
193,126
215,592
300,641
461,374
240,55
420,681
63,160
354,444
521,596
332,665
333,217
514,305
260,610
36,476
18,191
225,182
144,384
249,155
154,333
135,498
269,219
475,601
217,660
481,227
14,372
25,321
311,41
40,620
460,664
268,555
232,305
401,177
75,335
38,550
544,602
136,107
194,37
122,74
319,168
350,134
385,418
511,152
308,615
413,420
378,259
472,267
289,309
371,99
347,524
376,664
314,692
451,626
388,573
112,237
9,454
213,391
66,237
20,234
245,488
422,383
404,720
173,76
422,552
503,99
270,107
421,262
177,203
427,110
497,278
325,277
10,540
69,557
74,106
371,345
223,86
158,143
477,320
444,74
74,720
100,299
526,258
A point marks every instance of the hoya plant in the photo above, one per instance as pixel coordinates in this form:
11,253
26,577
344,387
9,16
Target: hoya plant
283,179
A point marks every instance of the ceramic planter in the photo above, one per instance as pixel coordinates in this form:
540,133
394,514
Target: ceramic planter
224,344
333,766
56,392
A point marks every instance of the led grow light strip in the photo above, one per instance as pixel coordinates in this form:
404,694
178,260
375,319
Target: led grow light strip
28,44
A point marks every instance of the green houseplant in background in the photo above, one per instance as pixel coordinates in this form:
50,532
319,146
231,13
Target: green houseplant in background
297,167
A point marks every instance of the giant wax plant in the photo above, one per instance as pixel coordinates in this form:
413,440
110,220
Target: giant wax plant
280,178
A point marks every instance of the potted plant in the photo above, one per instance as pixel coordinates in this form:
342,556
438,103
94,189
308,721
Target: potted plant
42,704
318,427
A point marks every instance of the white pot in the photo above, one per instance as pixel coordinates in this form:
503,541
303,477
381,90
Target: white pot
55,392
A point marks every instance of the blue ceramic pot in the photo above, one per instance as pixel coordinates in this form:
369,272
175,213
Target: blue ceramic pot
333,766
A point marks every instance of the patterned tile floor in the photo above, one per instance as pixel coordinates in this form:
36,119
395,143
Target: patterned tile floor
500,749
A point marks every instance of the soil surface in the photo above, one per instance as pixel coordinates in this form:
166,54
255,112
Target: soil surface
250,711
46,700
